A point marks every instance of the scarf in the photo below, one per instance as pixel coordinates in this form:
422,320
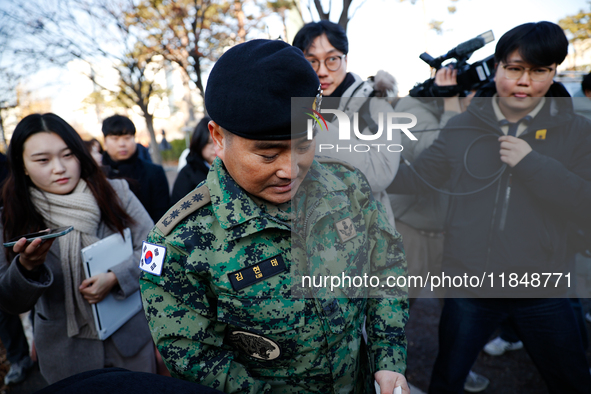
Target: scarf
78,209
340,90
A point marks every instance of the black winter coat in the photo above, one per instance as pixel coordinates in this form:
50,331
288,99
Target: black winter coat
189,177
146,180
518,224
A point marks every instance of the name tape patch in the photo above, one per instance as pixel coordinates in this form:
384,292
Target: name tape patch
256,273
152,258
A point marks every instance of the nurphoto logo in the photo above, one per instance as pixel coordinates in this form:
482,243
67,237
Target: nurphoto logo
317,117
344,132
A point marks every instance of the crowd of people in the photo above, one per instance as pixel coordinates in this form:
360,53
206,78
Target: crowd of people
258,206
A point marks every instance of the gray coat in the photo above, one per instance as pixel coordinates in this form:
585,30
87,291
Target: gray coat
379,165
61,356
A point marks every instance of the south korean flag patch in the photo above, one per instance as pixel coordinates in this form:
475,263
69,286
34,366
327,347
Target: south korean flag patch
152,258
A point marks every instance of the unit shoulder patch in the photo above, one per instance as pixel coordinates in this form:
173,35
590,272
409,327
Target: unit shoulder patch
345,229
186,206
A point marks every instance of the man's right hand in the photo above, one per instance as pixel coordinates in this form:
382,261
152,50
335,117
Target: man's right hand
389,380
32,254
446,76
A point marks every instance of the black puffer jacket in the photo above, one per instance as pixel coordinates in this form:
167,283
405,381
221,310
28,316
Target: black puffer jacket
518,224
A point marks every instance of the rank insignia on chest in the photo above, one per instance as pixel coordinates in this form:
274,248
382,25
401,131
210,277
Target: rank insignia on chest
256,273
152,258
345,229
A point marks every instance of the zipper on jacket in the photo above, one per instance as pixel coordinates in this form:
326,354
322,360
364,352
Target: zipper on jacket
310,212
274,219
505,204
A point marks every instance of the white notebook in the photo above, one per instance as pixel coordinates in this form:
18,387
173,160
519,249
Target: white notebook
110,313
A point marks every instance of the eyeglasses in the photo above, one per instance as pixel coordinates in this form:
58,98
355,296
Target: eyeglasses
332,63
538,74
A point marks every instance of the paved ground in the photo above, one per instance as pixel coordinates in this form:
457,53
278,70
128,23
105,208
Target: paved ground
511,373
170,174
33,383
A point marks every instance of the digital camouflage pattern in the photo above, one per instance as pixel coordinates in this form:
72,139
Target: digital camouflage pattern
261,338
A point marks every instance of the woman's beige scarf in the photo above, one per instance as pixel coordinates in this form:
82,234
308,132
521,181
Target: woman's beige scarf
78,209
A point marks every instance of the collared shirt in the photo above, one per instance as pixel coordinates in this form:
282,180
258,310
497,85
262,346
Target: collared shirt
522,125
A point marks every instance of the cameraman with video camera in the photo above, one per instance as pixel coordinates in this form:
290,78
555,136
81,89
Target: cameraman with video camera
518,220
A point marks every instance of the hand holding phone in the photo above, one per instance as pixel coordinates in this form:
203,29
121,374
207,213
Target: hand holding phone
44,234
32,254
33,248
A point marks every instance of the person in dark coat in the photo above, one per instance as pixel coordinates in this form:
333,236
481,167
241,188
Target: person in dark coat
519,161
199,161
144,153
146,180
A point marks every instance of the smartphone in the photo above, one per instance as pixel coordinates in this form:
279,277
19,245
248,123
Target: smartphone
45,234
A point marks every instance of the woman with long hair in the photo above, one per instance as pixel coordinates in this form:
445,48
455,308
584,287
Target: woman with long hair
199,160
96,150
53,182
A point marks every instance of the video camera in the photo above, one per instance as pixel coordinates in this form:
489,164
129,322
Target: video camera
470,76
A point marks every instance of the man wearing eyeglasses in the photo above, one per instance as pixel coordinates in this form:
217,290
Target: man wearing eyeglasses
325,46
511,221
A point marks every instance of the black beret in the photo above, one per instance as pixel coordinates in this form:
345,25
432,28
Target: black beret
250,87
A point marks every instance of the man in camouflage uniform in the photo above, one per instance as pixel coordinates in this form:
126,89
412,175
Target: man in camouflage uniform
220,303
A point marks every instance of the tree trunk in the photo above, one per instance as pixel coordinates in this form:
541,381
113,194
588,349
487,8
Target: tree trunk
198,80
155,153
323,15
188,99
284,21
344,19
240,17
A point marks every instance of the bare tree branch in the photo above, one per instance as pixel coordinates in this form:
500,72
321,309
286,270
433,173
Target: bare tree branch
323,15
356,9
96,32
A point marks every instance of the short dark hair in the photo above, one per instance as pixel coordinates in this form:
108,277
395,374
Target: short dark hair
118,125
586,84
200,137
541,43
334,32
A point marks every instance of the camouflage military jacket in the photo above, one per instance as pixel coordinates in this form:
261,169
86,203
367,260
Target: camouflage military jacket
222,313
